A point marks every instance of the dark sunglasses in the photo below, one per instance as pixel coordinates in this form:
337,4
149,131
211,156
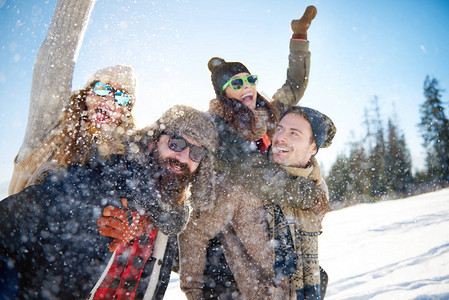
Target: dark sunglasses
103,90
178,144
238,82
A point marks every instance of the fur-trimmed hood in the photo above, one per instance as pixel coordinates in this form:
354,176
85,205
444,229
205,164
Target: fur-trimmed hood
197,125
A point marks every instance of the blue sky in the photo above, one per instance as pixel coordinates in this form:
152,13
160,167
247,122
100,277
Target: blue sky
360,49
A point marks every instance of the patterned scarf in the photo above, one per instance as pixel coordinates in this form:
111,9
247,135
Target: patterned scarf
294,255
123,277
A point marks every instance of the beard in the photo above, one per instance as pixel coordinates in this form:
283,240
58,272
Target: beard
170,184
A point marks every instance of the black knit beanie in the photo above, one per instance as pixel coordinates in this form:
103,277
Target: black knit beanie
222,71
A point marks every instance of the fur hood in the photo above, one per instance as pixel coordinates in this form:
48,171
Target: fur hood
197,125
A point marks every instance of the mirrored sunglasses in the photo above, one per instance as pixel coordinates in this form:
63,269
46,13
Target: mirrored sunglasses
103,90
178,144
238,82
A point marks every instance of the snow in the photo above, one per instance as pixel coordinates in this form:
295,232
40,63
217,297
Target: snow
396,249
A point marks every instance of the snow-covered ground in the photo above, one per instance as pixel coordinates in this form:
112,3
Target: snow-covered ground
387,250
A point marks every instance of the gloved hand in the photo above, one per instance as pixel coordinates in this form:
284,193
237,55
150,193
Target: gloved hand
122,224
299,27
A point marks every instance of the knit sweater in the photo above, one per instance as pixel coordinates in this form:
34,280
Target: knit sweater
55,62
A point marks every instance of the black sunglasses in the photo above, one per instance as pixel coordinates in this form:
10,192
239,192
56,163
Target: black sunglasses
178,144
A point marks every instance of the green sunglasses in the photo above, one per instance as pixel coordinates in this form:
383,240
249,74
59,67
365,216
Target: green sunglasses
103,90
238,82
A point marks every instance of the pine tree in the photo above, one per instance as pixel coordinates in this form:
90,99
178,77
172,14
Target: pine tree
435,132
347,180
338,180
397,161
377,170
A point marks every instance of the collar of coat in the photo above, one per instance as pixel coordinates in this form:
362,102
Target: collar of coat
311,171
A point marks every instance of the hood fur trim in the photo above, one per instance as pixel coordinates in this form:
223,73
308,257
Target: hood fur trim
197,125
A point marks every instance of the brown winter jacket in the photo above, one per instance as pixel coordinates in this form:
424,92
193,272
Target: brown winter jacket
241,218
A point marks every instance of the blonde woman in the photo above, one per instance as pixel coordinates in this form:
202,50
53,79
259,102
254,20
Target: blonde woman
63,126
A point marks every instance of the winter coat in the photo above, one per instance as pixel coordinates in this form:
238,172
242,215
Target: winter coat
55,62
241,218
233,150
49,237
232,203
295,258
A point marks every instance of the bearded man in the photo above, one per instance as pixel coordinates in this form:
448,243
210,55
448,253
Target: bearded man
49,242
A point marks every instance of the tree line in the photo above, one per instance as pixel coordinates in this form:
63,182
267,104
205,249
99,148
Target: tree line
379,165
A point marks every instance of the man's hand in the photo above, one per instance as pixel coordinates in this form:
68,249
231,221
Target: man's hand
122,224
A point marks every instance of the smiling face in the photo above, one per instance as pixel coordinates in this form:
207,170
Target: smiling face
247,95
104,110
293,143
178,162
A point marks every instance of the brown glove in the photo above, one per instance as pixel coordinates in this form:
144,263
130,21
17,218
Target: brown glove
122,224
299,27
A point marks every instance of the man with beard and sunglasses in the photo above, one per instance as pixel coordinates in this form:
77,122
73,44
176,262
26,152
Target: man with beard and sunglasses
50,246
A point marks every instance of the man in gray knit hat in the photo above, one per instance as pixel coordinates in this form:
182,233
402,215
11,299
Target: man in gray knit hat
300,133
49,241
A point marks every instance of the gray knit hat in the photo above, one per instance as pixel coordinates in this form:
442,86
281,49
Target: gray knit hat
323,128
120,75
197,125
222,71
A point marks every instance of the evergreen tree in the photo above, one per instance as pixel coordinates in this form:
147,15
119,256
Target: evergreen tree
435,132
376,170
347,180
338,179
397,161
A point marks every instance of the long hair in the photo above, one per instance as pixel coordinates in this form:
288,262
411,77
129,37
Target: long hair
77,136
239,115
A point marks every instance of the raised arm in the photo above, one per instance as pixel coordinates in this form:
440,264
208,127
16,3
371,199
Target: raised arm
53,71
298,64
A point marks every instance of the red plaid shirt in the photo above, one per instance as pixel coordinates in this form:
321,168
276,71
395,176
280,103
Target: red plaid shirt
124,274
263,143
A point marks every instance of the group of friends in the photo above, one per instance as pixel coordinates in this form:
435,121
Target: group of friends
232,199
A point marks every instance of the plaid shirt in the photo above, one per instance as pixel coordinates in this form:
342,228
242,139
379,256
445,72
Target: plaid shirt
263,143
124,275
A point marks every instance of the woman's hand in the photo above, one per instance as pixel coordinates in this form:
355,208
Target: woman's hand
299,27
